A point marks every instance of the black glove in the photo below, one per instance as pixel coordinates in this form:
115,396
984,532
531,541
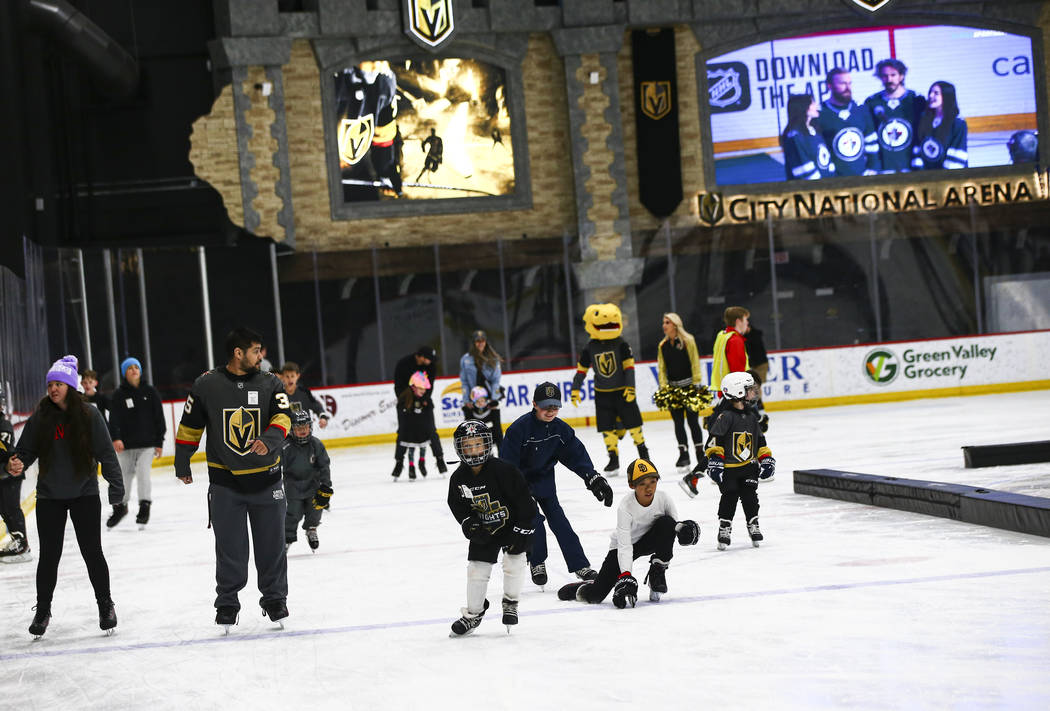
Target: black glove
520,540
626,591
767,468
688,532
323,496
600,488
474,529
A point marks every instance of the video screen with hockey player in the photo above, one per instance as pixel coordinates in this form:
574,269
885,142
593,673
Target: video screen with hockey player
423,129
872,101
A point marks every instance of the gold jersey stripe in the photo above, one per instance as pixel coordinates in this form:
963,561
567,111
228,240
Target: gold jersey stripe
189,434
282,420
764,452
715,450
239,472
628,363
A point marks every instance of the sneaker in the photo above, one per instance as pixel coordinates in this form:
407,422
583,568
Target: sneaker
311,538
754,531
107,615
274,609
688,484
226,615
143,515
725,529
683,457
613,467
657,576
119,512
397,469
41,620
17,550
586,573
510,612
539,574
468,622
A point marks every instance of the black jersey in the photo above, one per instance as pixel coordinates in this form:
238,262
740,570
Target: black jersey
7,444
806,156
499,496
415,419
613,363
303,399
895,123
305,467
736,436
932,152
850,136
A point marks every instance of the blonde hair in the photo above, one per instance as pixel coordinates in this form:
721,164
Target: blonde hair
682,333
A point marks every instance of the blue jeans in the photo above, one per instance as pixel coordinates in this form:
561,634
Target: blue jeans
568,541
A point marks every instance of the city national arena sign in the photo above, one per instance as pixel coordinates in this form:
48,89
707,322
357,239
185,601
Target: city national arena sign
715,208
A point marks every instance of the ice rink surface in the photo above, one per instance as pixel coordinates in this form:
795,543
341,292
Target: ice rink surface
843,606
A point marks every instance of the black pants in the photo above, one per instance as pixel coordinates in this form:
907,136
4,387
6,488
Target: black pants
86,514
739,484
11,504
435,446
679,417
658,541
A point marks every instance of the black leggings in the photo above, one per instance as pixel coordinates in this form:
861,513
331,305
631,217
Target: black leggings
657,541
694,427
86,514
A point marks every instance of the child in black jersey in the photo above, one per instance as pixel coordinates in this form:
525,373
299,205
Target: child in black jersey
415,425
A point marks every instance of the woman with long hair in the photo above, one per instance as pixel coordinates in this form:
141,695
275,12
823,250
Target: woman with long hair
806,156
70,440
480,368
678,366
940,139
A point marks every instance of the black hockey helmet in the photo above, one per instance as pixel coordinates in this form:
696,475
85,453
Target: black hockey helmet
302,418
464,436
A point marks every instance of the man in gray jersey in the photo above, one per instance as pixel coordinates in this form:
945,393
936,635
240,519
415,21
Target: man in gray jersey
247,416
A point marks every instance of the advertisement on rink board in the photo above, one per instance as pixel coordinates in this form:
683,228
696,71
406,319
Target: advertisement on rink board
812,377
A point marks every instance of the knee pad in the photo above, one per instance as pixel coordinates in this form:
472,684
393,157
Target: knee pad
478,571
611,441
637,436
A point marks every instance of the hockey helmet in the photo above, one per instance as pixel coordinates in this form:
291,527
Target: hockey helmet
469,449
420,380
300,419
479,395
739,385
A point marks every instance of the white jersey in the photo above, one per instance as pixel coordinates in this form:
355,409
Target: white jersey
633,521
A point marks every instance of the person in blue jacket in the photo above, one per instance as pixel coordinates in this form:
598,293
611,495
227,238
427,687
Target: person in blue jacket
480,366
534,443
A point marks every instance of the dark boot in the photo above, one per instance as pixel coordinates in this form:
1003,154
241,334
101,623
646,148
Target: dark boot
40,620
143,518
119,512
107,614
643,452
398,465
683,457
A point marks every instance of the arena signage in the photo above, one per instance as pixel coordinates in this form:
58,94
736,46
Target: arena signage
713,208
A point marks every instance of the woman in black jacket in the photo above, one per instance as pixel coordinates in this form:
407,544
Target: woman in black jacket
70,439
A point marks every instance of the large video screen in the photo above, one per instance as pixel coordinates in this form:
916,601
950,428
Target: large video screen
422,129
872,102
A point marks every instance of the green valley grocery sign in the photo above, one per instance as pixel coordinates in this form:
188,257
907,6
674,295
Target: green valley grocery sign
882,365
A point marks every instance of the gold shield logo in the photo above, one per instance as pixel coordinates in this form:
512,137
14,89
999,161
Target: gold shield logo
742,446
240,426
711,207
430,21
355,138
656,99
605,363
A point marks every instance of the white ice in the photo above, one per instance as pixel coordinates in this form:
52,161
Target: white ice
843,606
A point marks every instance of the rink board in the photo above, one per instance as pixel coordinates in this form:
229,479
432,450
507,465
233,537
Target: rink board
959,502
994,455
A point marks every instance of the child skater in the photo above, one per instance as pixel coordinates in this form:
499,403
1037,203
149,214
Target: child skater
646,525
491,502
415,425
307,479
737,457
484,409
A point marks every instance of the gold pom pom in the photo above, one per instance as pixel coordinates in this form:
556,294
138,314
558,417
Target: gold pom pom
670,397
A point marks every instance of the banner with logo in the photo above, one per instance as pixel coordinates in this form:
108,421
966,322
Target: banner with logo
429,23
656,120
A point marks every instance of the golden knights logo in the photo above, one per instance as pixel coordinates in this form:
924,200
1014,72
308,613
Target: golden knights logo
711,207
493,514
605,363
355,138
430,23
656,99
743,448
869,5
240,427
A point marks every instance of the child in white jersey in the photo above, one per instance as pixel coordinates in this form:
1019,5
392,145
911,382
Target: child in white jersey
646,524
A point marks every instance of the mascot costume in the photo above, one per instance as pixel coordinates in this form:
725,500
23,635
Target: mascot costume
615,407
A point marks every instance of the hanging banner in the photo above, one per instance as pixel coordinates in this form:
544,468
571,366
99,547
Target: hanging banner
656,120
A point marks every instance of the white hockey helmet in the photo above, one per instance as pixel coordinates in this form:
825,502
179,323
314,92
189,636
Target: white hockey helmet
737,386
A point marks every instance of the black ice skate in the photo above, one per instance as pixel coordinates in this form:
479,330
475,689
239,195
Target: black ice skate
411,471
17,550
683,459
107,616
276,610
397,469
422,467
613,467
572,591
657,579
539,574
754,531
119,512
442,467
688,484
468,622
701,463
143,517
311,538
586,573
226,615
41,620
725,529
510,613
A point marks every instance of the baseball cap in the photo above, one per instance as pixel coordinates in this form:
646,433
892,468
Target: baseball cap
546,395
427,352
640,469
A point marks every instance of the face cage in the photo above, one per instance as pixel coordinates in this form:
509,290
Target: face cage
752,393
474,459
302,440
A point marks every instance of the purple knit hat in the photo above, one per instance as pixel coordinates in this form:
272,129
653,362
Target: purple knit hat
64,370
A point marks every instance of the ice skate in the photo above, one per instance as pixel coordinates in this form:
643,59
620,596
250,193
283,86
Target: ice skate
107,616
119,512
586,573
422,467
227,616
468,622
510,613
656,579
143,516
700,470
688,484
572,591
725,529
683,459
397,469
311,538
411,471
41,620
613,467
17,550
754,531
539,574
276,610
442,467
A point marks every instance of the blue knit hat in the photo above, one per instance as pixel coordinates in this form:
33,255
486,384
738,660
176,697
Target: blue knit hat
127,363
64,370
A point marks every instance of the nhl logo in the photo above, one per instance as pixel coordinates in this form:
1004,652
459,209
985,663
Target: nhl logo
656,99
711,207
868,5
429,23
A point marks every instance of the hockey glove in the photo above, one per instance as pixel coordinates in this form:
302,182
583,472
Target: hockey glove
474,530
574,396
766,469
323,497
519,542
716,466
688,532
628,394
600,488
626,591
763,422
